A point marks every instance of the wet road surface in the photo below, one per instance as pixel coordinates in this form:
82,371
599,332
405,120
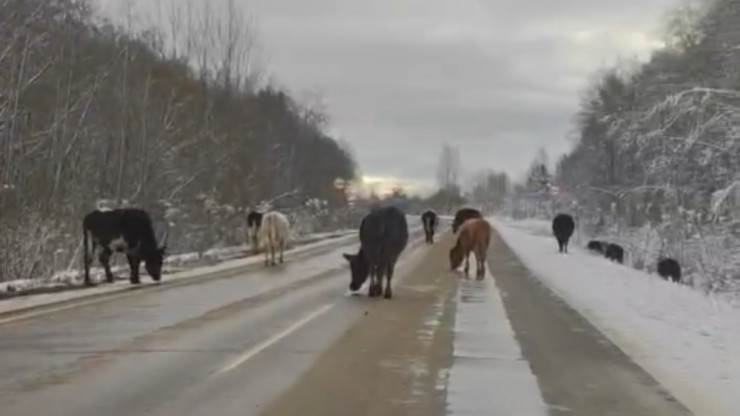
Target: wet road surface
288,341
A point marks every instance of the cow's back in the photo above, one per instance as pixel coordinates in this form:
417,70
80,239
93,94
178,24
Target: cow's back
475,234
464,214
383,235
274,228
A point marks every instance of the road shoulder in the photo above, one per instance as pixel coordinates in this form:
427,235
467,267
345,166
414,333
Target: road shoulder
580,372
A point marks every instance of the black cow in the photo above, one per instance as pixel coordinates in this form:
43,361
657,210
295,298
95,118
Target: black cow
669,269
123,230
254,222
463,215
614,252
563,226
383,236
429,220
597,246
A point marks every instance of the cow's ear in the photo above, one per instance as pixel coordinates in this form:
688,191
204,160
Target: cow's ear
349,257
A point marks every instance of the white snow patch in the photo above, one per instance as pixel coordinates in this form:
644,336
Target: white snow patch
171,264
488,375
688,340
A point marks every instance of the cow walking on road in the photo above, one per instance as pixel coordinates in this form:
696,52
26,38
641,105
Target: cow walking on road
274,233
254,221
474,236
383,236
563,226
123,230
429,220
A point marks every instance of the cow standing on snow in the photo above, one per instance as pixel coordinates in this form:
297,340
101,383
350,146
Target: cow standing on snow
563,226
597,246
123,230
429,220
384,234
274,233
614,252
254,220
669,269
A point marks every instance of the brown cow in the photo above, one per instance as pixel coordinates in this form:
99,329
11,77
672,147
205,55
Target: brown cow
475,235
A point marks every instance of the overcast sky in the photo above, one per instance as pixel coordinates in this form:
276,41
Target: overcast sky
496,78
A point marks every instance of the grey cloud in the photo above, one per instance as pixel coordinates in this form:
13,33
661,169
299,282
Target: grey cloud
496,78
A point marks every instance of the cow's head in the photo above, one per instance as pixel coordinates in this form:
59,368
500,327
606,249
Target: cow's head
153,261
360,270
456,257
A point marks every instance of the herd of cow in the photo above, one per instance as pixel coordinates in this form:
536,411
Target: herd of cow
563,226
130,231
383,236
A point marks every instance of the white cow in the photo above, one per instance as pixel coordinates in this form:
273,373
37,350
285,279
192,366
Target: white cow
274,233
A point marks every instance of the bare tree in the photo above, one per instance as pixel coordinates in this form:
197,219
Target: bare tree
448,168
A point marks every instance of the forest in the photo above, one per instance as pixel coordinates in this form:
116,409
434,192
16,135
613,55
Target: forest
179,123
656,162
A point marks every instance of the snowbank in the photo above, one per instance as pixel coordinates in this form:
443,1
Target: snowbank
172,264
688,340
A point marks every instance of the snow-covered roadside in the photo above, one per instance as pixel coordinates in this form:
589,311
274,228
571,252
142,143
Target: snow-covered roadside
16,304
173,264
688,341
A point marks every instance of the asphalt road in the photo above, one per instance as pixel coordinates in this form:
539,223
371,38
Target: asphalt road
289,341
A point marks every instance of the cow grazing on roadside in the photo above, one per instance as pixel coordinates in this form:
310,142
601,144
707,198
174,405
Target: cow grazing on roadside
254,221
429,220
474,236
274,233
597,246
123,230
384,234
669,269
463,215
614,252
563,227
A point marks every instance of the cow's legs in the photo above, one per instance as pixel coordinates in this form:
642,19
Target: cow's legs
480,269
87,259
388,291
379,275
133,263
104,258
467,264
